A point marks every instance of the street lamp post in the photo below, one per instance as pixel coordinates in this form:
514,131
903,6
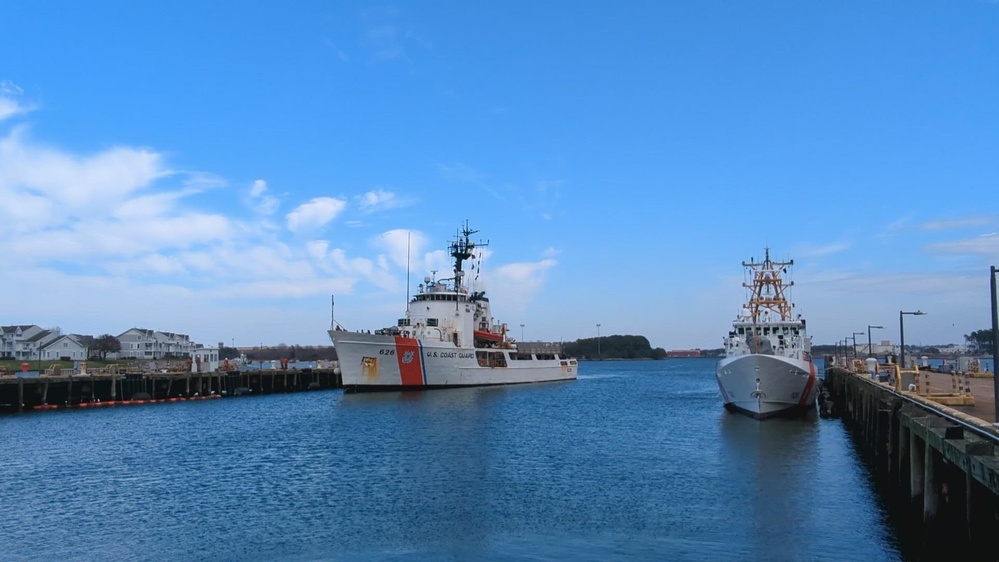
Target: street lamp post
598,341
995,340
901,336
855,334
522,332
870,346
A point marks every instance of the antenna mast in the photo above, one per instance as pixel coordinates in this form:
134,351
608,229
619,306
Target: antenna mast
409,241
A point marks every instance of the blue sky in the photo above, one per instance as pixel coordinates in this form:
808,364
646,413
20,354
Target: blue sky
221,168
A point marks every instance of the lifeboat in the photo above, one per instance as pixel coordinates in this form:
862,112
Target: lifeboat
488,336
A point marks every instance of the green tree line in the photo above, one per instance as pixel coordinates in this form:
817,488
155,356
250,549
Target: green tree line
979,340
613,347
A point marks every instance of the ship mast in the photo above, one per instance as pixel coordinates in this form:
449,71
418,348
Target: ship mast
767,289
461,250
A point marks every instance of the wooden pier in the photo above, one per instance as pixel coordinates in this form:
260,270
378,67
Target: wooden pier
933,448
100,389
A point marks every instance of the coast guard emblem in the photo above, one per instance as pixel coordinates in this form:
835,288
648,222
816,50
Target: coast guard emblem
407,357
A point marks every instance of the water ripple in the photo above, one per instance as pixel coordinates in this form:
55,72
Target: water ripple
634,460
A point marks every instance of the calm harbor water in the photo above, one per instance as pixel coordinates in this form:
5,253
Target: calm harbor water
635,460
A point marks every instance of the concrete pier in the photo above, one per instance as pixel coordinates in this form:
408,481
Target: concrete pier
942,459
24,394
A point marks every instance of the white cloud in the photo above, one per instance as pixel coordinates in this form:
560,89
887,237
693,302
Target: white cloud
316,213
516,284
401,245
258,199
377,200
122,228
9,106
75,182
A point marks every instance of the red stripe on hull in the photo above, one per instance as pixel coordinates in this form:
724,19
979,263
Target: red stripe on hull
407,351
812,377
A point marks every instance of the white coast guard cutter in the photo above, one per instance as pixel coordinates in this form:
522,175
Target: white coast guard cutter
767,370
447,339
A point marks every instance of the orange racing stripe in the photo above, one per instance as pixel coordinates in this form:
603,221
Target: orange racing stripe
407,350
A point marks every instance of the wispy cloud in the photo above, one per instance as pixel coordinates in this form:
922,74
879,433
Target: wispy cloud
826,250
124,227
965,222
388,37
9,104
78,182
315,214
384,41
337,51
259,200
463,174
986,244
378,200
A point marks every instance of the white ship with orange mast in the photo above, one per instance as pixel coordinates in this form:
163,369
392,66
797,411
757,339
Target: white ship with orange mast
767,370
447,339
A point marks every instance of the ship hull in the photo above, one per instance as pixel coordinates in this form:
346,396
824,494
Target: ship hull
375,362
785,387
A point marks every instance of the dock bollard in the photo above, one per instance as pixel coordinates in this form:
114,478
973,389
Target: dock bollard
926,382
955,387
967,384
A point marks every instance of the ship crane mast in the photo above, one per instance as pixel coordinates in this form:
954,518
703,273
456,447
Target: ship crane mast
767,289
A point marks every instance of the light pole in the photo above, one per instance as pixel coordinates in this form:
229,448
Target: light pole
521,332
598,341
995,341
870,346
855,334
901,336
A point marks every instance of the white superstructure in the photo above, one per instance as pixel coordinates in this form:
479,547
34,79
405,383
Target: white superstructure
447,339
767,370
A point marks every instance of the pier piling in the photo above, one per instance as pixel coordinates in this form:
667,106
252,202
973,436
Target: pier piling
942,460
21,394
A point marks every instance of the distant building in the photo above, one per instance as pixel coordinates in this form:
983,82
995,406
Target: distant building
683,353
68,347
25,341
141,343
31,342
205,359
